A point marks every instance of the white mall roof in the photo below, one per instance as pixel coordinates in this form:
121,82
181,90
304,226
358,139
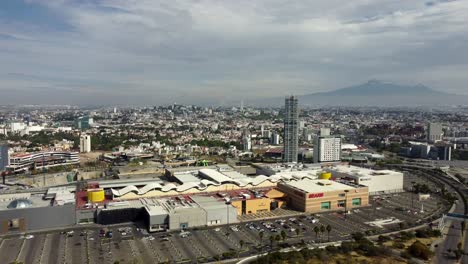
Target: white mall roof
315,186
357,172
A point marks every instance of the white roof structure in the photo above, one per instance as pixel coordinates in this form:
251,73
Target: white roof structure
213,177
314,186
358,172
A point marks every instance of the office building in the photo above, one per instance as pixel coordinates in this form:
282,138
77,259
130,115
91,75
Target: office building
85,143
290,138
4,157
434,132
327,149
84,122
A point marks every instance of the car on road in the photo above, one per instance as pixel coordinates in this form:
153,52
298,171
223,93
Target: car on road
184,234
29,237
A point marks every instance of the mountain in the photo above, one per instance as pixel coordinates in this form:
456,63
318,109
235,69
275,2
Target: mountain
379,93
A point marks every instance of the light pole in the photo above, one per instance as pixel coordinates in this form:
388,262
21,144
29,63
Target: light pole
227,219
412,194
346,204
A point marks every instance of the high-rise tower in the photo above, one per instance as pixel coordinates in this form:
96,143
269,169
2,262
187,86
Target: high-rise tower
290,138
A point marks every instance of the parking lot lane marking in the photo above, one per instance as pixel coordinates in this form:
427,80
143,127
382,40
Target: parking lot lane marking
145,251
220,237
9,249
204,244
182,244
211,239
178,254
250,237
155,251
31,249
19,255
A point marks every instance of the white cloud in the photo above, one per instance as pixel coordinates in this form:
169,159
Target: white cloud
171,48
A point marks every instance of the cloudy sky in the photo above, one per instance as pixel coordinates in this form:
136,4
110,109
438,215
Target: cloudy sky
219,51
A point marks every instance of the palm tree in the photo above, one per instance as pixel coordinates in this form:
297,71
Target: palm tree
316,230
261,237
277,239
241,245
322,230
272,239
329,229
283,235
298,231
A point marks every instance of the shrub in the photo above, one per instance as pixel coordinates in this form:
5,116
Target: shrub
383,239
405,254
398,245
357,236
346,247
332,249
419,250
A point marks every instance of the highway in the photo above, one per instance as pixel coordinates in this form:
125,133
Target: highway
453,228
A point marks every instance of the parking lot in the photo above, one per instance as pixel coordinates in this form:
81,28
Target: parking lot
129,244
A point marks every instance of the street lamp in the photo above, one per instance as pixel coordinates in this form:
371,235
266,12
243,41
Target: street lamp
228,203
412,194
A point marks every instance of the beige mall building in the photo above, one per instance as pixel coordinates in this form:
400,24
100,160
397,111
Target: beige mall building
324,195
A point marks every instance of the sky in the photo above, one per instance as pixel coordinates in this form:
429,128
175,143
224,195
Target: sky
223,51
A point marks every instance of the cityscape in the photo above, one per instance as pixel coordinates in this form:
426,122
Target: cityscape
233,132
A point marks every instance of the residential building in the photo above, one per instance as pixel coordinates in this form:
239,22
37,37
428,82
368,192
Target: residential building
434,132
291,132
85,143
327,149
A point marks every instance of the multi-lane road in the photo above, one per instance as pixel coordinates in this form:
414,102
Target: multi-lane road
453,234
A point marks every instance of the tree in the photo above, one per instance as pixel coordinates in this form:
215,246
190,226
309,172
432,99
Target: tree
298,231
419,250
401,225
357,236
260,235
322,230
316,230
277,238
283,235
329,229
241,245
272,239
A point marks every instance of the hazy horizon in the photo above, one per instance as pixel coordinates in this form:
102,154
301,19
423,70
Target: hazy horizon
155,52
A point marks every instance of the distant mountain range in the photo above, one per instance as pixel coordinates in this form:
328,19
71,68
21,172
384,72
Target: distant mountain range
378,93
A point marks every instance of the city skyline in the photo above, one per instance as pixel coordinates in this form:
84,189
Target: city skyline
151,52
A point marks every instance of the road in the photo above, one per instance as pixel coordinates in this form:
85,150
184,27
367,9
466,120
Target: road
453,233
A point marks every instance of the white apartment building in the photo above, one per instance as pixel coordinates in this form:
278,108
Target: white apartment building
85,143
327,149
